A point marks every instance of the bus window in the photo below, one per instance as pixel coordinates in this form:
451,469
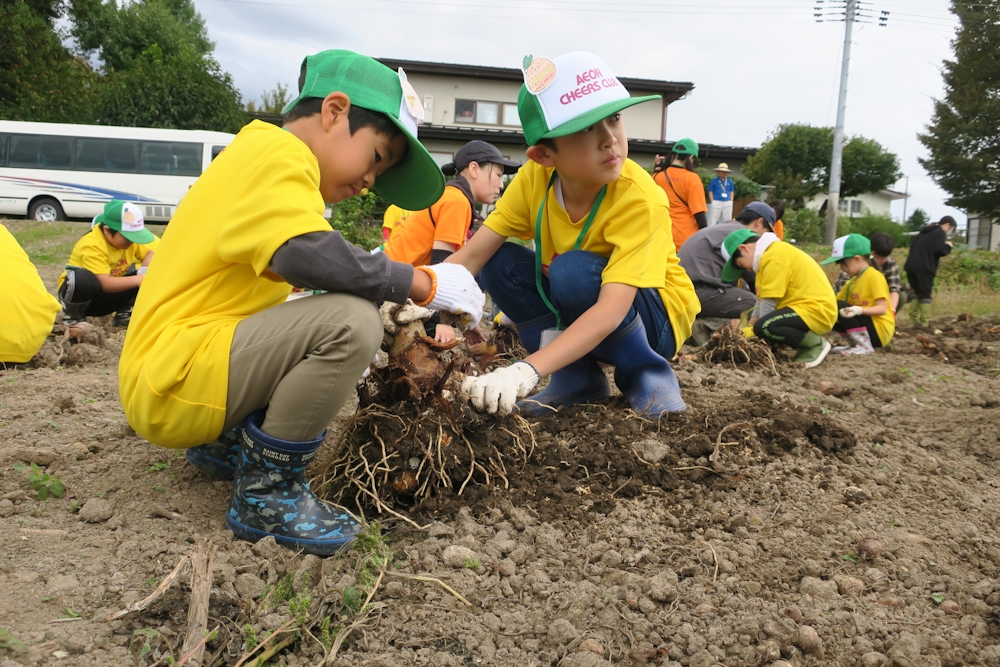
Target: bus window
41,152
171,158
122,155
216,150
3,149
113,155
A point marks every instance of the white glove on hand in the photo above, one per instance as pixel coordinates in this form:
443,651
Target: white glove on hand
457,292
500,390
394,314
850,311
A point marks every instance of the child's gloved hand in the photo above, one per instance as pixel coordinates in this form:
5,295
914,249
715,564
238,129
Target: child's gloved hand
850,311
394,314
497,392
456,291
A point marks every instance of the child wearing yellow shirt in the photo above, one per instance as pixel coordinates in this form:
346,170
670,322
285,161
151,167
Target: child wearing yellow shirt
27,310
795,304
604,283
216,354
106,266
866,320
391,220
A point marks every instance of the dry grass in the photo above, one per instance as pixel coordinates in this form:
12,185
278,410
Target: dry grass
977,299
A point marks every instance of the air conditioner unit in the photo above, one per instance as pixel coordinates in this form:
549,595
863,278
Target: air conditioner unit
428,108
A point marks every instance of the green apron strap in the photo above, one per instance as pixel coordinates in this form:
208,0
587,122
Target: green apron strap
579,241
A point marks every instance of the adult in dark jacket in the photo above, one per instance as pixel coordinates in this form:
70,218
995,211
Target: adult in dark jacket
926,251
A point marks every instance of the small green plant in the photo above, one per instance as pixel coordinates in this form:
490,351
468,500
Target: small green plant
73,506
471,564
851,557
158,466
9,641
43,483
251,636
69,613
151,582
325,638
52,424
157,488
937,597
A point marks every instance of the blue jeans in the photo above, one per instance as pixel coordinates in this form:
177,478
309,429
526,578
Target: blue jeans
573,285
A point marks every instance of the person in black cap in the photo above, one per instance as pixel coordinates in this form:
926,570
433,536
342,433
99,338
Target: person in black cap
702,259
926,251
431,235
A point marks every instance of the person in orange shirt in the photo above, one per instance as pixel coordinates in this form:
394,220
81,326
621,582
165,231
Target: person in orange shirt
431,235
779,210
684,189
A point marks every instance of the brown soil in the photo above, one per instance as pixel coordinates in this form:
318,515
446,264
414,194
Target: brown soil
618,542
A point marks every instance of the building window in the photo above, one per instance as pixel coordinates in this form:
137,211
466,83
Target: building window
855,206
487,112
842,205
441,158
465,110
510,116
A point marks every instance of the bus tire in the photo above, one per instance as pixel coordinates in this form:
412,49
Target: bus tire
46,209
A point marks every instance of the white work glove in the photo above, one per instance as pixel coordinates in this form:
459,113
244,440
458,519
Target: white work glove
458,293
500,390
850,311
394,314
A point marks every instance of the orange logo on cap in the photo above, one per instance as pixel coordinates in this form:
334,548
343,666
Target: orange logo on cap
539,73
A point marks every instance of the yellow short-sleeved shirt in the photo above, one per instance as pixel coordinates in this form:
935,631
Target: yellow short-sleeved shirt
95,254
631,229
27,311
393,218
794,280
211,272
864,290
414,239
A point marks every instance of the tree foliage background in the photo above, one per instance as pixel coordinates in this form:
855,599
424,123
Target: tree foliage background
145,63
795,160
963,137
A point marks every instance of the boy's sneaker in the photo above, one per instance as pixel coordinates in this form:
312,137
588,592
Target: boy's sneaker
122,317
813,350
217,459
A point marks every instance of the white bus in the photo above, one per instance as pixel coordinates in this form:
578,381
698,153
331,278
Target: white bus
52,171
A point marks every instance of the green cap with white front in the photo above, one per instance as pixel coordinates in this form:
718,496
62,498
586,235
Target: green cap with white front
730,272
416,181
686,147
567,94
849,246
126,219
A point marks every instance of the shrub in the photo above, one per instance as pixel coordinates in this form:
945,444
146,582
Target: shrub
804,226
872,222
970,267
359,219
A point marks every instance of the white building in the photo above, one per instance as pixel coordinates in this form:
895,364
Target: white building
857,206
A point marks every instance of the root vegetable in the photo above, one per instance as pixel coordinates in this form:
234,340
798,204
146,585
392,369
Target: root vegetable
728,346
870,548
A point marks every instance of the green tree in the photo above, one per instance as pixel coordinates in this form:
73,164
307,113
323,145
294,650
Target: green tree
795,160
917,220
157,60
40,79
961,139
271,101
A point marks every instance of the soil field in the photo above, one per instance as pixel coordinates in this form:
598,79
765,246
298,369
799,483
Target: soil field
840,516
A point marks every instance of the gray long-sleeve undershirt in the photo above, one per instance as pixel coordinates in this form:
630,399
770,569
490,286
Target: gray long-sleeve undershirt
764,308
326,261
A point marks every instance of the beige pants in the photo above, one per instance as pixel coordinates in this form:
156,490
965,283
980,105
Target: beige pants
300,360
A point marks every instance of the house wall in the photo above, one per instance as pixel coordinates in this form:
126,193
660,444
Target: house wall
876,202
983,233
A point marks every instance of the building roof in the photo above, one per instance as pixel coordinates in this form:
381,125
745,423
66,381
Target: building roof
893,195
669,90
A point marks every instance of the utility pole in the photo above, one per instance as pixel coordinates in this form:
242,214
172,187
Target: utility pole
833,203
906,191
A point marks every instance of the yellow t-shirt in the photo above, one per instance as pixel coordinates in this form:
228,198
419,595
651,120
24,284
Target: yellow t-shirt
631,229
211,272
864,290
27,311
794,280
95,254
393,217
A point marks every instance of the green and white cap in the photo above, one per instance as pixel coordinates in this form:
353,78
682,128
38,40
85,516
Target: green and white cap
730,272
849,246
126,219
414,183
567,94
688,147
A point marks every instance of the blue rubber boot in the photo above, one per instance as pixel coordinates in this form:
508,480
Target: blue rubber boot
643,376
271,495
217,459
582,381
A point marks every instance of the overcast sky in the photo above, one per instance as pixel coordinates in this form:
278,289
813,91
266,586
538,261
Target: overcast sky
754,63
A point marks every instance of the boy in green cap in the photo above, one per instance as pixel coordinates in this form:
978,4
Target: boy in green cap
106,266
216,354
603,283
795,304
866,320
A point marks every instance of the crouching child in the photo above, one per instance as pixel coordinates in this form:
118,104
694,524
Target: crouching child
866,320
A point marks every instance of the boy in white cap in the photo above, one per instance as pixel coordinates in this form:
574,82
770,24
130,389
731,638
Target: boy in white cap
106,266
721,191
866,320
796,305
217,353
603,283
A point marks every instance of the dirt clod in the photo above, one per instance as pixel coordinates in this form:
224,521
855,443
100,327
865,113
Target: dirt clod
96,510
